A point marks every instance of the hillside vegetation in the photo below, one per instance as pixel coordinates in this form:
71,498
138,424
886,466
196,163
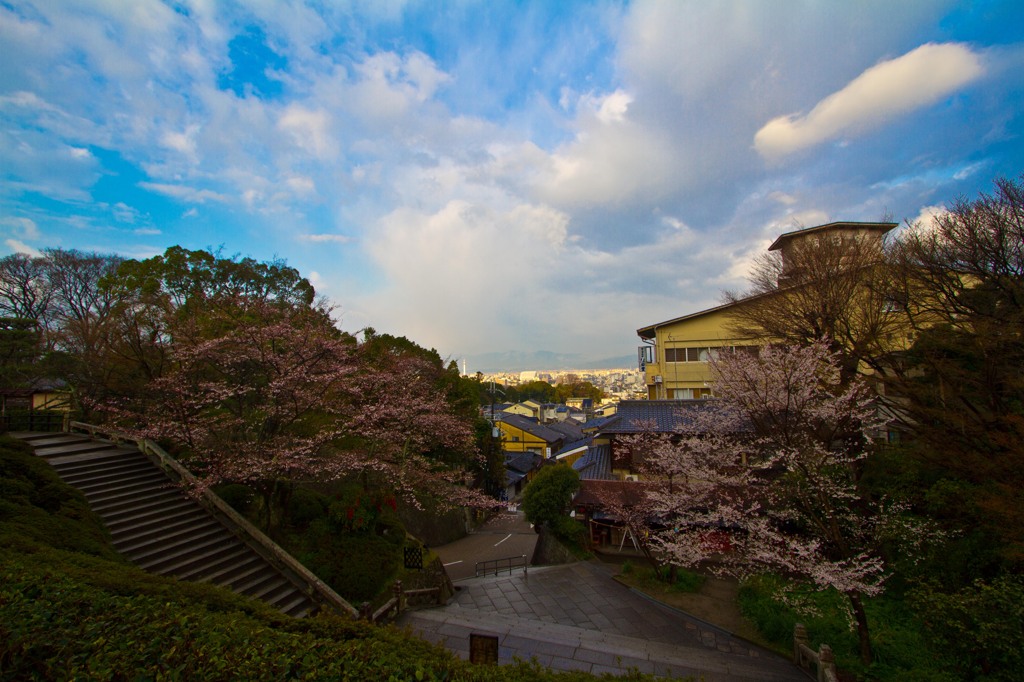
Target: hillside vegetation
72,608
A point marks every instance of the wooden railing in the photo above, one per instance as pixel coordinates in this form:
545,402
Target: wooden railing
804,656
496,566
312,586
399,602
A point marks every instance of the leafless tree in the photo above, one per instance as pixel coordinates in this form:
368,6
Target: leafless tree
835,287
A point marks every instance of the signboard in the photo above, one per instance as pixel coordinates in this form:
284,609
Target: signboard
483,649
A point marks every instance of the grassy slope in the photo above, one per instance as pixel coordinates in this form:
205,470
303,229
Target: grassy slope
70,607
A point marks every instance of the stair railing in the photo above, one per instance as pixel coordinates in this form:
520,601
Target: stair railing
313,587
822,659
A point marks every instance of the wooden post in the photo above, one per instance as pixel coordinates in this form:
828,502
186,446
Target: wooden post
397,589
524,566
799,638
364,611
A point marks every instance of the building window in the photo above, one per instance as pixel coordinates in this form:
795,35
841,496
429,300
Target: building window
690,393
693,354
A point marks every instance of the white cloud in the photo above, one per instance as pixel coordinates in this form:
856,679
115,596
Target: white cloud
927,216
125,213
21,247
146,231
612,108
184,193
183,142
310,129
26,228
324,238
883,92
301,185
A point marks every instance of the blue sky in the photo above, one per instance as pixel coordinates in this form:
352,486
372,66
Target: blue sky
497,176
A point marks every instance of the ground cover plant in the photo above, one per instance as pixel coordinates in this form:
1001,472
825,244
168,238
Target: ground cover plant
71,608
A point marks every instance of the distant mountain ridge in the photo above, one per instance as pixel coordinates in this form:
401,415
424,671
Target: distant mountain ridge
518,361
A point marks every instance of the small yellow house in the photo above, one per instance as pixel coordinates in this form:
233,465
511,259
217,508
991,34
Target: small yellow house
521,434
527,408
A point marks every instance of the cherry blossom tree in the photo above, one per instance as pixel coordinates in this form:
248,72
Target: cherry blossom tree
281,396
773,471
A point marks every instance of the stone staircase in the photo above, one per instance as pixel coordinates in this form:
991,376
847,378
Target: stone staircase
161,529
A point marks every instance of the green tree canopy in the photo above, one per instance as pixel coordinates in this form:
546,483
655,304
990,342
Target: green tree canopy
548,495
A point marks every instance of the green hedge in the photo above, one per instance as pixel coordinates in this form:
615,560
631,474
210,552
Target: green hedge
70,608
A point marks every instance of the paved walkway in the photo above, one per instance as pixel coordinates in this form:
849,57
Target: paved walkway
576,617
504,535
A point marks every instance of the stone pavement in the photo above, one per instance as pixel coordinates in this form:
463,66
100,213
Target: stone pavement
576,617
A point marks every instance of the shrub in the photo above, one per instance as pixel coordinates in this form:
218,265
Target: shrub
36,507
901,649
306,506
239,497
548,495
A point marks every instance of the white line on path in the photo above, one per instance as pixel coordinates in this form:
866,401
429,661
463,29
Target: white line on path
503,539
452,563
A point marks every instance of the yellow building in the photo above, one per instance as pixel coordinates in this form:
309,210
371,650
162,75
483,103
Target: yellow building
521,434
675,357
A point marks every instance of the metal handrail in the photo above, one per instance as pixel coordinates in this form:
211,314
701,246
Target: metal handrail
497,565
270,550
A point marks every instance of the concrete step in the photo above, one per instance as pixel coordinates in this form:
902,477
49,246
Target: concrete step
228,562
157,526
297,607
84,478
126,520
99,463
64,449
183,544
157,535
137,537
197,555
141,483
140,501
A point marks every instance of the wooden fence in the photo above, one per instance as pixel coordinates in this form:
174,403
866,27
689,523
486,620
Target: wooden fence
399,602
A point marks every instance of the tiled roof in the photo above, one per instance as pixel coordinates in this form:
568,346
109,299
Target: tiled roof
597,423
660,416
619,493
575,445
522,462
570,430
533,428
595,465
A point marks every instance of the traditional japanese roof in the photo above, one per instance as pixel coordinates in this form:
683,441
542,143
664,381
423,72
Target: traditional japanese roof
575,445
596,465
596,424
533,428
657,416
600,493
569,430
522,462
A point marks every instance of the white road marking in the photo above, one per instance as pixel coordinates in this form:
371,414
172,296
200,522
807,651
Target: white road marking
503,539
452,563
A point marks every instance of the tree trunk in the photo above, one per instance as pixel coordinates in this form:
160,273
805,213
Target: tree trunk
862,628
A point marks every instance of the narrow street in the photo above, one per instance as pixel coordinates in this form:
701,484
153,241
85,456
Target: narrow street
505,535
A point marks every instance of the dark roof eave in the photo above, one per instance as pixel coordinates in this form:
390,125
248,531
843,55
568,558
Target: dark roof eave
782,238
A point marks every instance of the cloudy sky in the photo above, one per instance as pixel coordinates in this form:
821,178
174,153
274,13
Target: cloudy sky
495,176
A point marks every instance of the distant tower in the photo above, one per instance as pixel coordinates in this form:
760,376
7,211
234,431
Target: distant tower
464,367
